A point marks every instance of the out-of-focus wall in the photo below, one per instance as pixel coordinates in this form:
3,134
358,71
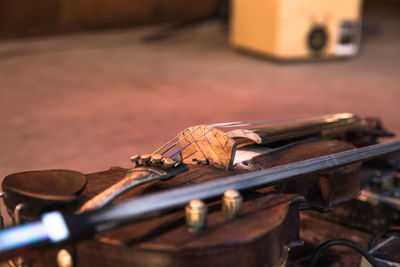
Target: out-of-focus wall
382,7
26,18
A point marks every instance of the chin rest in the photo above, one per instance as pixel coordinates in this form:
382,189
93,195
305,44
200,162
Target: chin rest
41,191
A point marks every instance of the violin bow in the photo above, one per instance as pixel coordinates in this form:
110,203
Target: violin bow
55,227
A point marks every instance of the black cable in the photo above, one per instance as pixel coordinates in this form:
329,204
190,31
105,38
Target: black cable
342,242
375,240
167,32
222,13
392,230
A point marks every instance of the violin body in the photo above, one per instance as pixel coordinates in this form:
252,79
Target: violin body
267,228
268,224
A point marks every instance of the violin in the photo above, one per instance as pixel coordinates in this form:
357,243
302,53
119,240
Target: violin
243,184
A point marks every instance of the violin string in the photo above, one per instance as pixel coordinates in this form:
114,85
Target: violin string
170,141
191,154
163,146
173,155
241,124
180,140
231,125
199,147
250,123
194,140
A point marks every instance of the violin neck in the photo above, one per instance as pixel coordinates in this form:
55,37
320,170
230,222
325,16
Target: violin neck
337,126
217,142
325,126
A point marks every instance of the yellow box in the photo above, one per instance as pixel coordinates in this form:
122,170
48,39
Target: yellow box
297,29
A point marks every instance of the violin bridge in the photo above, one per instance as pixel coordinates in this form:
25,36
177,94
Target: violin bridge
207,144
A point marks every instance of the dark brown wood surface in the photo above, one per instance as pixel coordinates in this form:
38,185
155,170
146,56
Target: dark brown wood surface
20,18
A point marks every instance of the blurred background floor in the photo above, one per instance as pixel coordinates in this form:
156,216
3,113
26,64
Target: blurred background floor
89,101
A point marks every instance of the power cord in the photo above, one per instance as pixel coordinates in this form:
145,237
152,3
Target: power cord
392,230
342,242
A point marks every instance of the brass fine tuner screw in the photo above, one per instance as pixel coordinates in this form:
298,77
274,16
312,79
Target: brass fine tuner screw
196,215
145,159
156,158
231,203
169,163
135,159
64,258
